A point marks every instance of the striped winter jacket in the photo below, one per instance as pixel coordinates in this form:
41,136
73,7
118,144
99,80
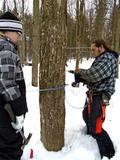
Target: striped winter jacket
12,84
101,76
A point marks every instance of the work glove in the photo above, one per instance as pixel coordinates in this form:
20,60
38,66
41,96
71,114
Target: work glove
75,84
77,70
78,78
71,71
18,125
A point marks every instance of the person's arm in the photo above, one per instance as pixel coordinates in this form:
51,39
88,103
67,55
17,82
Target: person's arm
78,78
97,72
9,87
20,102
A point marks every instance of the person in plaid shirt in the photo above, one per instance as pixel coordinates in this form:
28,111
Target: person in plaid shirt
100,79
12,88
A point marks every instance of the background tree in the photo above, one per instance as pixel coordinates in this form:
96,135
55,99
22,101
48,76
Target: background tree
80,28
101,11
117,29
22,43
113,22
15,7
4,5
35,42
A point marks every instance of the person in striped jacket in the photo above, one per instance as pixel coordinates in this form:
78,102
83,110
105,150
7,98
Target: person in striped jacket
12,88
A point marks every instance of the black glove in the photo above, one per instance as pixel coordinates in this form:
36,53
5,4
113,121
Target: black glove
71,71
74,84
78,79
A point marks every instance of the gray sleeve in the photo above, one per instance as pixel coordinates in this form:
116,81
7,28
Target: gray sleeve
8,86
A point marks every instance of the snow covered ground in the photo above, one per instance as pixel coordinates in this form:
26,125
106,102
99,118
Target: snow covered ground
78,145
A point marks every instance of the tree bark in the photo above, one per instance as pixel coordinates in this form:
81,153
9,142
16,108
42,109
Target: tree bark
52,74
101,11
35,43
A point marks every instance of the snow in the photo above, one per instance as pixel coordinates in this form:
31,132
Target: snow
78,145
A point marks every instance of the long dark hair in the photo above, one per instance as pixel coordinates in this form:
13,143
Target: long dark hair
101,42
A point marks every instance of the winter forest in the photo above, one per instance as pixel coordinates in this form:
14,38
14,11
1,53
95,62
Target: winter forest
55,33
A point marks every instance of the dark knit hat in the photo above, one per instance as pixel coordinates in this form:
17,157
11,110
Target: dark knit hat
9,22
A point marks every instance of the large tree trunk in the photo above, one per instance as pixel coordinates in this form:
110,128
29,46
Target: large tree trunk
52,74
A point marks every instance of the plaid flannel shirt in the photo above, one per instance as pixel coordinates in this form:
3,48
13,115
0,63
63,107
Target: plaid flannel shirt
10,70
102,74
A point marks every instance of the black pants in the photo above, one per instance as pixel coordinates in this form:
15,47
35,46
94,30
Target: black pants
105,144
94,117
10,144
10,141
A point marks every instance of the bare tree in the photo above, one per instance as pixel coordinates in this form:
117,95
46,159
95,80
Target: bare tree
117,37
35,43
4,5
80,26
15,8
22,43
116,26
114,23
101,11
